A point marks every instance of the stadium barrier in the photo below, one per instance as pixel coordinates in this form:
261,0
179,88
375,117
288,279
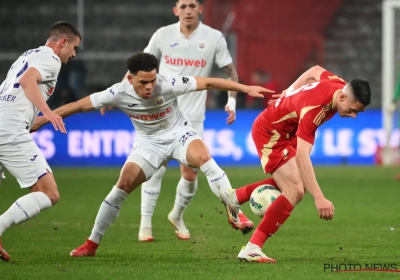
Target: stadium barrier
95,140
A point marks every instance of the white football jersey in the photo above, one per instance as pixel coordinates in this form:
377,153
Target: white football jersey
189,57
152,117
15,107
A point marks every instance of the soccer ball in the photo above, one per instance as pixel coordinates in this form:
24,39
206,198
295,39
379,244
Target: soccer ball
262,197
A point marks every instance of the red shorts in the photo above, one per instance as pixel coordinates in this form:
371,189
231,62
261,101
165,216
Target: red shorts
273,149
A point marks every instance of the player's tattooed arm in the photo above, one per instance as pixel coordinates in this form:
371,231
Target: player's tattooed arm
230,106
232,75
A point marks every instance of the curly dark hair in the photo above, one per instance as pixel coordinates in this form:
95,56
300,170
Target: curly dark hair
141,62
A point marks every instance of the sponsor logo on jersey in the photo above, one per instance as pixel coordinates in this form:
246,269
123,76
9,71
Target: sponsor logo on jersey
131,105
159,101
201,46
174,45
173,82
112,92
150,117
185,80
185,61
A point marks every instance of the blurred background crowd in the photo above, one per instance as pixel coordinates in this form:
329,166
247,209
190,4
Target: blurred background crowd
271,41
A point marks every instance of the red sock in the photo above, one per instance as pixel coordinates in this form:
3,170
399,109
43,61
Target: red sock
276,214
243,194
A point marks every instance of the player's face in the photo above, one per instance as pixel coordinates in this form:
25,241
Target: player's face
68,48
188,11
348,108
143,83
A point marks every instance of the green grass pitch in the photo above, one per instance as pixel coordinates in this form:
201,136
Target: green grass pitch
367,202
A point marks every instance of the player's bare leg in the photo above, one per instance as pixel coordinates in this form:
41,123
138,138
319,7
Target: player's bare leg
150,193
289,181
197,155
43,195
130,178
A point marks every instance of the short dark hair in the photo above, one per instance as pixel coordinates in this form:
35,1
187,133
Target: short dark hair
361,91
198,1
61,29
141,62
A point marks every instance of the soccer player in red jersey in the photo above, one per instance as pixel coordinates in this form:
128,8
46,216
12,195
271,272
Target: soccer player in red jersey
284,136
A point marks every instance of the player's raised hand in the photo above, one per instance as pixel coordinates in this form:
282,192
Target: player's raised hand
56,120
257,91
104,110
325,208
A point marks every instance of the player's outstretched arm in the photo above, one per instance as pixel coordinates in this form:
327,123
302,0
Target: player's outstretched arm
223,84
324,206
83,105
29,83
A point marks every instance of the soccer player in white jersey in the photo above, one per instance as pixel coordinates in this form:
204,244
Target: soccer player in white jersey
163,133
187,47
29,83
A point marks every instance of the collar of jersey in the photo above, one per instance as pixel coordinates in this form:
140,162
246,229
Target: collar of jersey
194,31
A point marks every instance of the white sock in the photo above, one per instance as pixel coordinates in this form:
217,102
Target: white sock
24,208
184,194
108,213
150,193
216,177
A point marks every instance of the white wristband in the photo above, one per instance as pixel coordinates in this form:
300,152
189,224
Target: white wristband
231,104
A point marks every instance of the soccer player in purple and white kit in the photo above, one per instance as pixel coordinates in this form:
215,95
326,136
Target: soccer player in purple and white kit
187,47
23,94
163,133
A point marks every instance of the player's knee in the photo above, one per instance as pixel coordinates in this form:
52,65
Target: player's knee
295,192
299,194
53,195
203,157
189,174
125,184
298,191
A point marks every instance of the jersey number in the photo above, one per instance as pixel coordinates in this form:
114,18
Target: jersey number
20,72
294,92
186,136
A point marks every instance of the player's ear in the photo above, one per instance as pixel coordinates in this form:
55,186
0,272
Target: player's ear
130,78
200,9
62,42
175,10
342,96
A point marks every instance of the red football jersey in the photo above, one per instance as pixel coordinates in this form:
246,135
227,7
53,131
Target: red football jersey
303,110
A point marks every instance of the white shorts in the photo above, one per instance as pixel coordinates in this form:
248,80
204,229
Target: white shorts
160,151
20,155
198,127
